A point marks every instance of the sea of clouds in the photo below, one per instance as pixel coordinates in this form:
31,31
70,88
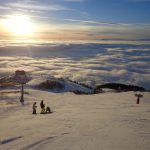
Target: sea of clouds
89,63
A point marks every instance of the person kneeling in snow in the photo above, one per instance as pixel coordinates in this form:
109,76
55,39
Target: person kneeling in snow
48,110
34,108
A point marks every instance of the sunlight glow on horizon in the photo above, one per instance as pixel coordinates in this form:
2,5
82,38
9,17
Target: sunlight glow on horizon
19,25
74,20
26,29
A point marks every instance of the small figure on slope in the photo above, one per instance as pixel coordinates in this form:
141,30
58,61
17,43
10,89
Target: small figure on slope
34,108
42,107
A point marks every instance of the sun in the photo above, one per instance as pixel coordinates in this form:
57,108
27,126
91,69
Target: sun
19,25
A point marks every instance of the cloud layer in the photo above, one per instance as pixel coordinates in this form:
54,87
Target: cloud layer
90,63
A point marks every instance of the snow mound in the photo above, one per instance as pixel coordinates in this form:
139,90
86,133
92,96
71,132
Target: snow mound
57,85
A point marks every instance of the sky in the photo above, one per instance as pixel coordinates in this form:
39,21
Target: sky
73,20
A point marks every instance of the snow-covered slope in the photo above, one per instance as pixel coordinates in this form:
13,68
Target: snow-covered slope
66,85
107,121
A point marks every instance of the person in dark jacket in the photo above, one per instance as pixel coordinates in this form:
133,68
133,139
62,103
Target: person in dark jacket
34,108
42,107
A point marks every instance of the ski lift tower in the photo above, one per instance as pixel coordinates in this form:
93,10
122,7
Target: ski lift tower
138,98
21,78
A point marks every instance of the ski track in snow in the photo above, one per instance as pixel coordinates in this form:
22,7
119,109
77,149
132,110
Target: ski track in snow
10,140
43,141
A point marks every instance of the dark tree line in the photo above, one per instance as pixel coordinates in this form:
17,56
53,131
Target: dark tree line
121,87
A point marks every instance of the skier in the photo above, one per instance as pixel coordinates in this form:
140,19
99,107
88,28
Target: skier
42,107
34,108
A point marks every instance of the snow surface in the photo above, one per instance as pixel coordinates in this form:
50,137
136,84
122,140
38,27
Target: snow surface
107,121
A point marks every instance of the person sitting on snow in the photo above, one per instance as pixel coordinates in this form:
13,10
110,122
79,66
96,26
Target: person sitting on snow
34,108
48,110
